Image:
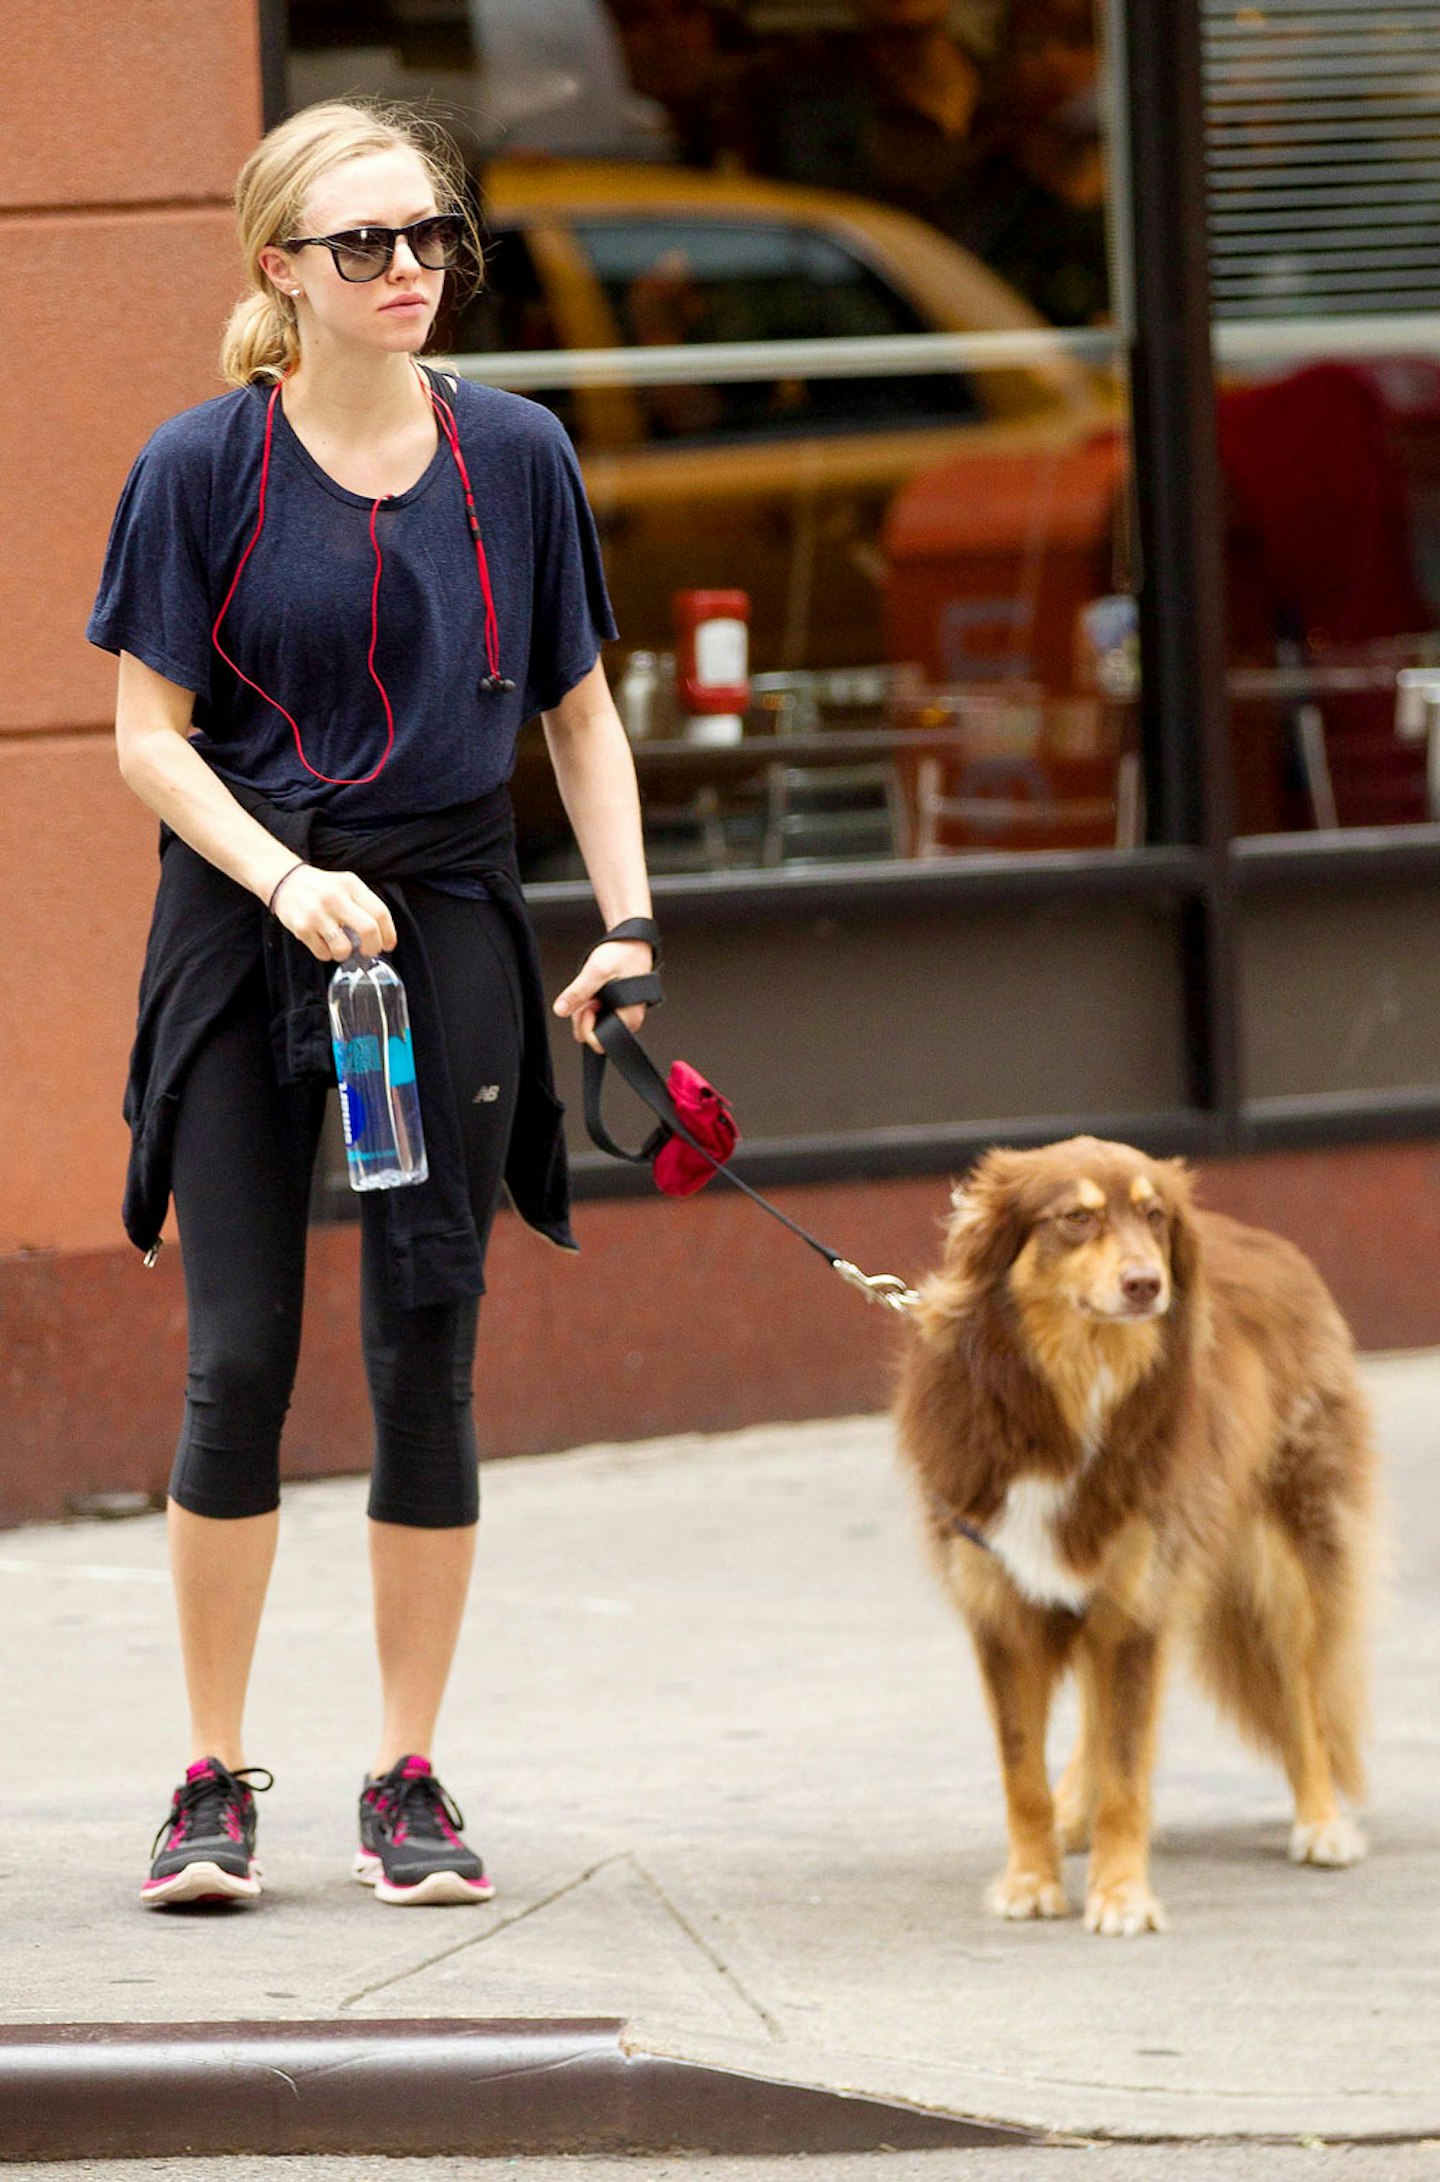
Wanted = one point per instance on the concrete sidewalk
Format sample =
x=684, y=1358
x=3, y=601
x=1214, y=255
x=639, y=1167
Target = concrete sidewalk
x=724, y=1749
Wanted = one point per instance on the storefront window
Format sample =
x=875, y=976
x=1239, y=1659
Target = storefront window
x=1324, y=153
x=822, y=296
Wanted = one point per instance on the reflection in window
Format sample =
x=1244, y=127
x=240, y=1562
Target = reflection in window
x=511, y=313
x=988, y=130
x=1323, y=147
x=983, y=119
x=941, y=629
x=754, y=281
x=674, y=282
x=1329, y=471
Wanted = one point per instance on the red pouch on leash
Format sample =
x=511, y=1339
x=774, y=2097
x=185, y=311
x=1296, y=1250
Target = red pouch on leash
x=680, y=1170
x=686, y=1107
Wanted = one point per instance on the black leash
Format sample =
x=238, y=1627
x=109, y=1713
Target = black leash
x=955, y=1526
x=638, y=1070
x=645, y=1080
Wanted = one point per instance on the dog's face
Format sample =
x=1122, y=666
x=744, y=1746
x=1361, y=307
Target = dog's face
x=1083, y=1227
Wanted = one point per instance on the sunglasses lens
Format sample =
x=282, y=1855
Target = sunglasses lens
x=437, y=242
x=359, y=260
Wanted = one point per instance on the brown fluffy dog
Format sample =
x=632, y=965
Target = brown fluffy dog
x=1134, y=1422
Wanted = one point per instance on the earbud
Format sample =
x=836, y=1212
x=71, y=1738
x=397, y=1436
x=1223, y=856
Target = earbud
x=497, y=684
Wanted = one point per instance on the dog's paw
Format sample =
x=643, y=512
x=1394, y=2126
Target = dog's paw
x=1123, y=1910
x=1333, y=1842
x=1017, y=1894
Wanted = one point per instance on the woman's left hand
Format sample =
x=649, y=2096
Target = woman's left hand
x=612, y=958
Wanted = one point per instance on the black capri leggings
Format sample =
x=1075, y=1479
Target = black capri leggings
x=244, y=1153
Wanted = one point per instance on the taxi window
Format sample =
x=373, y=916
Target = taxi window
x=671, y=281
x=511, y=312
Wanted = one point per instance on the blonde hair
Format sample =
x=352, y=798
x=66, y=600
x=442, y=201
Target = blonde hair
x=262, y=340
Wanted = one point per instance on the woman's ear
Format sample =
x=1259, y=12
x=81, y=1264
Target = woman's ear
x=278, y=270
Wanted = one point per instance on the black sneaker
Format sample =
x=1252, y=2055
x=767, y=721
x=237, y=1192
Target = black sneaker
x=410, y=1848
x=209, y=1837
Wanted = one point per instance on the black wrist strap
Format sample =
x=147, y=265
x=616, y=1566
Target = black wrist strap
x=643, y=928
x=635, y=1066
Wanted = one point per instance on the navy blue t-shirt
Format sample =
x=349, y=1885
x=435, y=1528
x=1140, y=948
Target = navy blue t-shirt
x=299, y=622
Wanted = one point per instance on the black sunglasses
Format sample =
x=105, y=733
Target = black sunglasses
x=364, y=253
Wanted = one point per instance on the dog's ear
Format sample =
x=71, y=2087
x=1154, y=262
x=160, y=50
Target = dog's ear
x=964, y=1209
x=988, y=1224
x=1184, y=1237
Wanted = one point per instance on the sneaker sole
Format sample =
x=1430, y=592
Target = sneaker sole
x=434, y=1891
x=201, y=1882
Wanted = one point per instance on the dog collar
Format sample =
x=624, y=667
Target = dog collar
x=956, y=1525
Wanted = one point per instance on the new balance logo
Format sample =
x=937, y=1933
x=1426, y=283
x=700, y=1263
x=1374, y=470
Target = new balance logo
x=487, y=1094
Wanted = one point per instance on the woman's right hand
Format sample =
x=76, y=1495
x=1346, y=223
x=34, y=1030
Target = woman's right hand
x=317, y=906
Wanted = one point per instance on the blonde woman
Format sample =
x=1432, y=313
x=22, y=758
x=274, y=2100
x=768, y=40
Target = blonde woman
x=336, y=592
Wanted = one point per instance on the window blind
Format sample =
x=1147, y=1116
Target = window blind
x=1323, y=146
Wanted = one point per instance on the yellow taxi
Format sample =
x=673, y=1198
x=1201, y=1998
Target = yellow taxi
x=778, y=480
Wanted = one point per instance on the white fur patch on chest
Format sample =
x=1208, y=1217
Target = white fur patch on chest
x=1022, y=1536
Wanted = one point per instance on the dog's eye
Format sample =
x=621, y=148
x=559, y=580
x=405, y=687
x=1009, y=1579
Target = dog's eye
x=1156, y=1216
x=1079, y=1220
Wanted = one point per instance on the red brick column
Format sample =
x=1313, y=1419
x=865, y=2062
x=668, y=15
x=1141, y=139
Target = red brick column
x=125, y=125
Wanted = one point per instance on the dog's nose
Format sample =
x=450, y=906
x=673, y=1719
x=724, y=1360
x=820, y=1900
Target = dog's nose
x=1139, y=1285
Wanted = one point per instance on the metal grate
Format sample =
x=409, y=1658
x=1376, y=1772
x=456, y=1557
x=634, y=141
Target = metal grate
x=1323, y=142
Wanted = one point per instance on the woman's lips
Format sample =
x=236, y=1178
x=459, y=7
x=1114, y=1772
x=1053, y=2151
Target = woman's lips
x=406, y=303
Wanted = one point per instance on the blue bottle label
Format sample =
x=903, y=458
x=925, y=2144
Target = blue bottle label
x=401, y=1058
x=352, y=1105
x=386, y=1112
x=362, y=1055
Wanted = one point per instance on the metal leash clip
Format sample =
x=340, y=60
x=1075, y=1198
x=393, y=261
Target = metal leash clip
x=886, y=1288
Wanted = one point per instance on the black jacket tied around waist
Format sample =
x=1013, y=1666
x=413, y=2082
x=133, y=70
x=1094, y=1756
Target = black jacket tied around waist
x=209, y=935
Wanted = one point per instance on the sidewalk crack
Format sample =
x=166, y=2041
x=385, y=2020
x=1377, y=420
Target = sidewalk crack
x=492, y=1931
x=711, y=1953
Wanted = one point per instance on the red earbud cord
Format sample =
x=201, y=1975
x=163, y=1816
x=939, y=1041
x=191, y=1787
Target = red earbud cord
x=451, y=429
x=445, y=416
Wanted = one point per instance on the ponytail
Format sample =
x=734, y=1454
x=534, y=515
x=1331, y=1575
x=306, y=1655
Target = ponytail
x=260, y=339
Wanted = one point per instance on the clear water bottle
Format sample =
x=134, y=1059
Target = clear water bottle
x=375, y=1068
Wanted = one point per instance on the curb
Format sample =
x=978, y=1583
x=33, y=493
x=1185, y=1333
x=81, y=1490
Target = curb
x=148, y=2090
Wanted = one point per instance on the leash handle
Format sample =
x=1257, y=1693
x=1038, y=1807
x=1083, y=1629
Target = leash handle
x=645, y=1080
x=634, y=1064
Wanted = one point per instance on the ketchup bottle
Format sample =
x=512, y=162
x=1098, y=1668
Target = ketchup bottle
x=712, y=663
